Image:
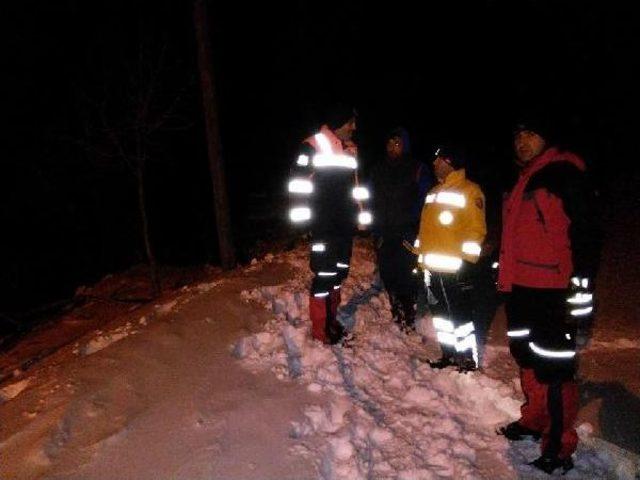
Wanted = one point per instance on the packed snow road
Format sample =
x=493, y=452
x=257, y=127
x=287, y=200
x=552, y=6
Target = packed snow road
x=210, y=384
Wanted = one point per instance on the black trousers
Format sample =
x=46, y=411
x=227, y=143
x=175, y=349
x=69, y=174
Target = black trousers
x=329, y=260
x=452, y=310
x=542, y=341
x=396, y=265
x=542, y=334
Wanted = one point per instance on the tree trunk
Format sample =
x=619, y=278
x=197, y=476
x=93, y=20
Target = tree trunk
x=210, y=107
x=151, y=259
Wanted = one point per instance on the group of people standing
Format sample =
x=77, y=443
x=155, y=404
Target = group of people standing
x=429, y=228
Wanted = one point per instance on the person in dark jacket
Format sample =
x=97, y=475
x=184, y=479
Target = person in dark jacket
x=399, y=186
x=327, y=199
x=548, y=259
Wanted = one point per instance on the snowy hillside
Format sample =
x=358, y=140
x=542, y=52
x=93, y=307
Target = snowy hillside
x=221, y=380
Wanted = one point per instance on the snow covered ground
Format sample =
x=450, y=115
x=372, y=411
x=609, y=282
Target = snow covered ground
x=390, y=414
x=222, y=380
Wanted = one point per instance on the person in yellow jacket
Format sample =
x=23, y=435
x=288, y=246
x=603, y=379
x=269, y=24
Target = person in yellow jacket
x=452, y=229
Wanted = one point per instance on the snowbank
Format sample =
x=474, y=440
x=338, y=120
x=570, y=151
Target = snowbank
x=392, y=416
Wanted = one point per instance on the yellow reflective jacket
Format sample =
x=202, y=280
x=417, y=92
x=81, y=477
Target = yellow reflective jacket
x=452, y=225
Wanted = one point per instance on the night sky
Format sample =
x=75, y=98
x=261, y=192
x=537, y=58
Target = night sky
x=448, y=71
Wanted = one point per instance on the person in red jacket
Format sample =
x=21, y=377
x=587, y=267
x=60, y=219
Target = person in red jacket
x=547, y=266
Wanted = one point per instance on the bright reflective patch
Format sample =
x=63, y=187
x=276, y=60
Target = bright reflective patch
x=453, y=199
x=518, y=333
x=327, y=274
x=442, y=324
x=442, y=262
x=323, y=143
x=303, y=160
x=551, y=353
x=318, y=247
x=467, y=343
x=321, y=294
x=580, y=282
x=580, y=298
x=416, y=243
x=365, y=218
x=581, y=312
x=342, y=265
x=495, y=265
x=300, y=214
x=360, y=193
x=471, y=248
x=464, y=330
x=324, y=160
x=447, y=338
x=300, y=185
x=430, y=198
x=446, y=217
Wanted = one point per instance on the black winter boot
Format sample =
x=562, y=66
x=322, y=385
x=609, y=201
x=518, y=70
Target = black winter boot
x=514, y=431
x=466, y=364
x=444, y=362
x=548, y=464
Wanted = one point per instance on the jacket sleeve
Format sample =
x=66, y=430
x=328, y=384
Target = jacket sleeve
x=422, y=232
x=475, y=228
x=571, y=185
x=377, y=200
x=300, y=187
x=361, y=194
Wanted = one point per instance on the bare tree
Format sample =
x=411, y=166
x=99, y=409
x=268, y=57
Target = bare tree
x=123, y=124
x=210, y=108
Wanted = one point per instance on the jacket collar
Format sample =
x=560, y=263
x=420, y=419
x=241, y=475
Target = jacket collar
x=454, y=178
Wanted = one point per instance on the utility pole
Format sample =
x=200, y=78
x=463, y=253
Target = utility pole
x=210, y=109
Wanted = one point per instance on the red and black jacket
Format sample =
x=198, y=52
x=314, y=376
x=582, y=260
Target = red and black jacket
x=548, y=225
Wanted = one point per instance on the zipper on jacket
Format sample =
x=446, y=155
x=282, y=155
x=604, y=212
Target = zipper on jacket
x=539, y=213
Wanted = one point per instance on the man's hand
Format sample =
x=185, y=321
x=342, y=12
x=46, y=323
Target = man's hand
x=580, y=308
x=580, y=300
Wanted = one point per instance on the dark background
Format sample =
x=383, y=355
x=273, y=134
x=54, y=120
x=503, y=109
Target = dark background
x=448, y=71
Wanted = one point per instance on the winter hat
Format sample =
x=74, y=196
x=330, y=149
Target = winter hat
x=539, y=123
x=456, y=156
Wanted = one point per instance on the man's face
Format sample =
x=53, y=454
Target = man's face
x=442, y=168
x=528, y=145
x=394, y=147
x=345, y=132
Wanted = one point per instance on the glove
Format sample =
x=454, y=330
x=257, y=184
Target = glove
x=580, y=300
x=580, y=308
